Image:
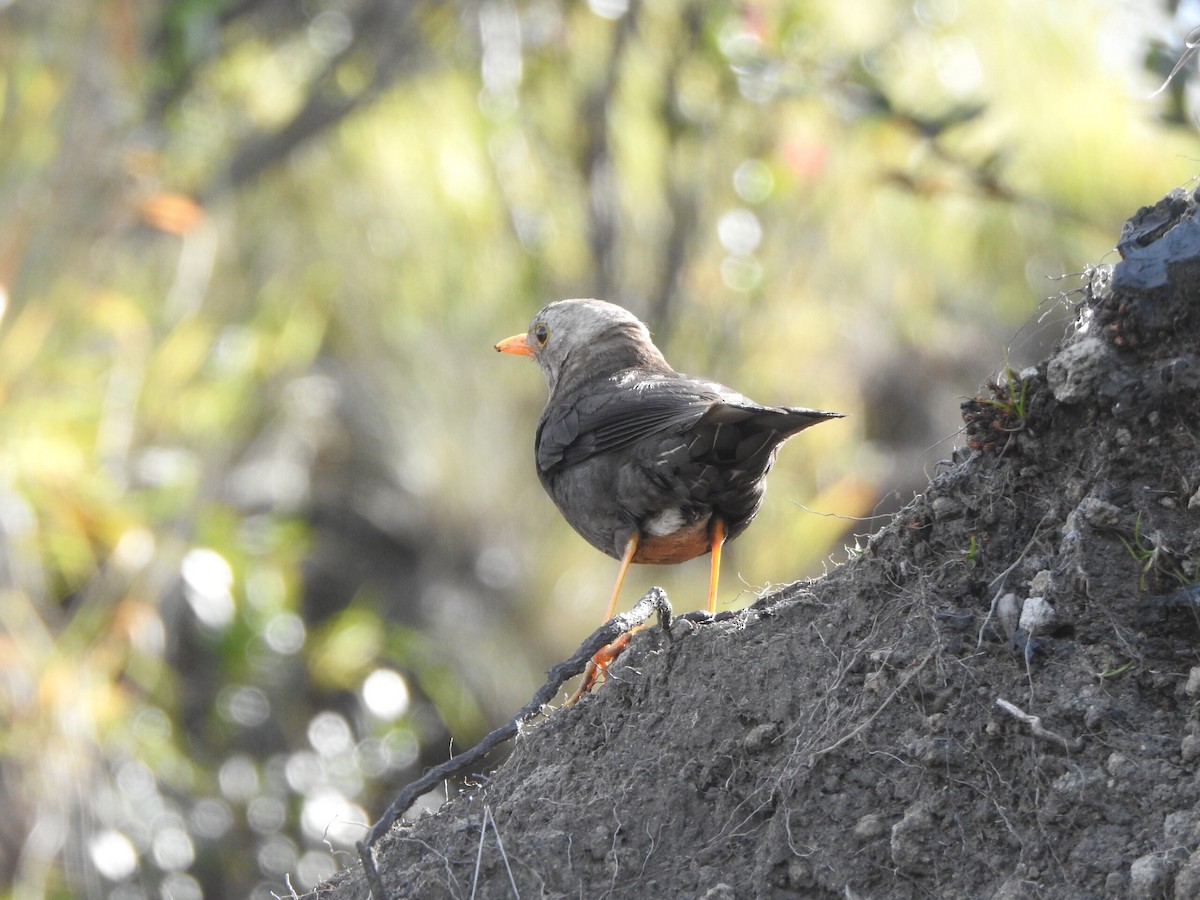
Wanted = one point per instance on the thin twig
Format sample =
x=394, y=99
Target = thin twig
x=655, y=601
x=512, y=881
x=487, y=813
x=1037, y=728
x=1190, y=44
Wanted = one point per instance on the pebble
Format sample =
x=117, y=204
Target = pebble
x=1150, y=877
x=1187, y=881
x=761, y=737
x=1189, y=747
x=870, y=826
x=1037, y=615
x=1039, y=584
x=1192, y=688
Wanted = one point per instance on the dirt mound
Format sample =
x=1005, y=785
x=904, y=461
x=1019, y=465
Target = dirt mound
x=996, y=697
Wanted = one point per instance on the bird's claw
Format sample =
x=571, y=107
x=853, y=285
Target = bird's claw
x=598, y=666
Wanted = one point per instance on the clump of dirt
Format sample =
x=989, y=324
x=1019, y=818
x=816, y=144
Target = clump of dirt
x=997, y=697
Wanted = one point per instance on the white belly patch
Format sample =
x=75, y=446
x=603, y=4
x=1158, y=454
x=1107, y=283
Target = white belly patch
x=664, y=523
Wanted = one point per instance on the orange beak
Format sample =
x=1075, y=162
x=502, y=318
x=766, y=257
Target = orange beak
x=516, y=345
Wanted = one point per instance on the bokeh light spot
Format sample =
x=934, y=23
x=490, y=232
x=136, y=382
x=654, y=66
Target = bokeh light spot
x=172, y=849
x=245, y=706
x=303, y=771
x=285, y=633
x=277, y=855
x=385, y=694
x=741, y=273
x=208, y=583
x=328, y=816
x=329, y=733
x=330, y=32
x=113, y=855
x=266, y=815
x=178, y=886
x=753, y=180
x=497, y=567
x=238, y=778
x=210, y=819
x=134, y=550
x=739, y=231
x=313, y=868
x=609, y=9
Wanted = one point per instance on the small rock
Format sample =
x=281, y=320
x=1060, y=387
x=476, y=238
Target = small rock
x=1008, y=612
x=1179, y=828
x=1189, y=748
x=1039, y=584
x=1013, y=889
x=869, y=826
x=942, y=753
x=761, y=737
x=1037, y=615
x=1120, y=766
x=1116, y=884
x=1077, y=782
x=1187, y=881
x=1074, y=371
x=915, y=841
x=947, y=508
x=1150, y=877
x=1192, y=688
x=799, y=875
x=1094, y=716
x=1094, y=512
x=720, y=891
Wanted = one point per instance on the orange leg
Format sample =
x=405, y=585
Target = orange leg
x=716, y=538
x=599, y=664
x=630, y=549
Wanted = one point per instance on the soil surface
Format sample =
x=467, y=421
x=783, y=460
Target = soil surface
x=996, y=697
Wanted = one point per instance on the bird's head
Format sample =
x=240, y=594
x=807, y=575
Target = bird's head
x=585, y=339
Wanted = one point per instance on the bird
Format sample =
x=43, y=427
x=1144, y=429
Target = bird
x=649, y=465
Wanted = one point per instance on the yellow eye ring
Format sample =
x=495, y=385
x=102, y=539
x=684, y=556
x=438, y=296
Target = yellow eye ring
x=541, y=334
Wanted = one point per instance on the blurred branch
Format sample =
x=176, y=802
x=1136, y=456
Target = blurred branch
x=181, y=56
x=682, y=187
x=385, y=37
x=980, y=177
x=983, y=176
x=598, y=165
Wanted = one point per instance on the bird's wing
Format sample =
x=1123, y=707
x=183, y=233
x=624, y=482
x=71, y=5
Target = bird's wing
x=619, y=414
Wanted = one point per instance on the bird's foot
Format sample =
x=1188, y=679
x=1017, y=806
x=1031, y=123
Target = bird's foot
x=597, y=668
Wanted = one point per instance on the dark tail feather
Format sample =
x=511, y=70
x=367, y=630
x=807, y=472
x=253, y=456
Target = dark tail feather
x=790, y=420
x=766, y=430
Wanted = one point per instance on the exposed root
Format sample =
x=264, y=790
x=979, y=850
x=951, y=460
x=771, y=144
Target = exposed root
x=862, y=726
x=1037, y=728
x=654, y=601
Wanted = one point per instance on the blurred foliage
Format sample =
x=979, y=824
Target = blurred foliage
x=269, y=529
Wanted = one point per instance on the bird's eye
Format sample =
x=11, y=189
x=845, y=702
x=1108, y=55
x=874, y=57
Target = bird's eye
x=541, y=334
